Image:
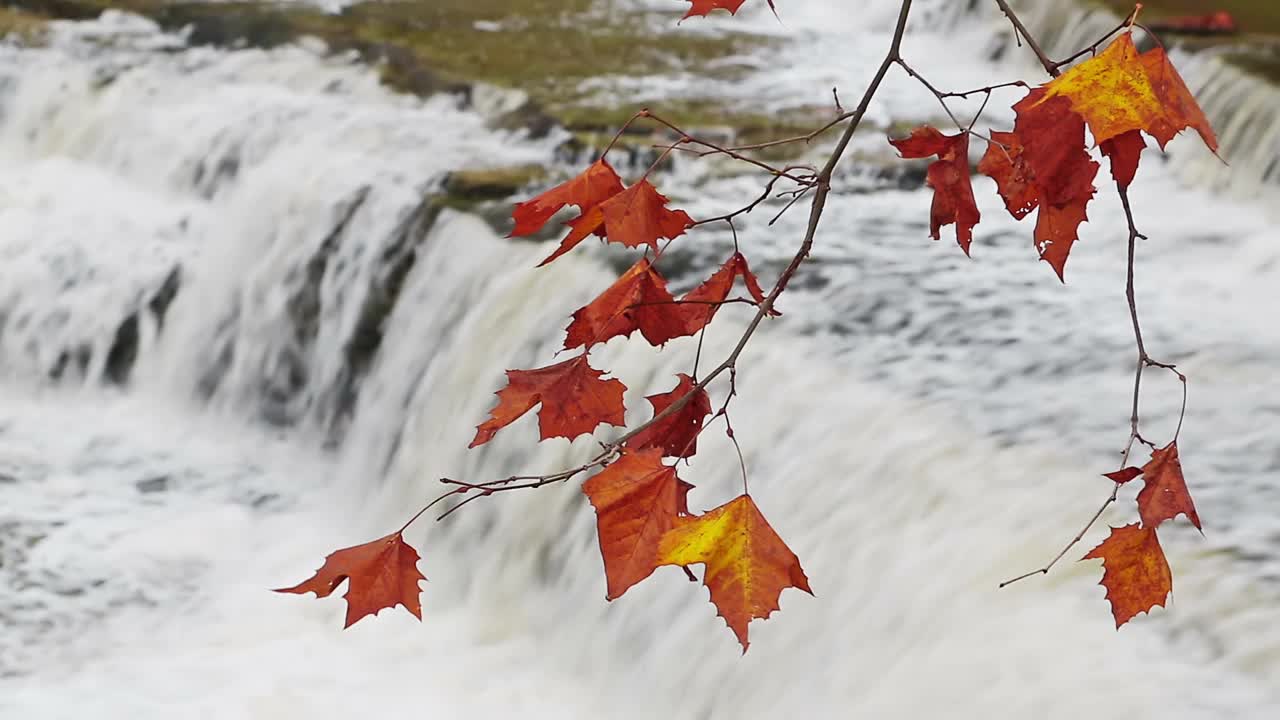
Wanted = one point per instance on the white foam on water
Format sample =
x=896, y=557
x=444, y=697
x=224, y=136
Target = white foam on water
x=918, y=427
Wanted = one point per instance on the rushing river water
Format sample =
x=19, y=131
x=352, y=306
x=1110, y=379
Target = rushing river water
x=918, y=425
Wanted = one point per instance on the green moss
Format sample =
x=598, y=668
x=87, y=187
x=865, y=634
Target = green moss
x=707, y=118
x=492, y=183
x=26, y=26
x=547, y=48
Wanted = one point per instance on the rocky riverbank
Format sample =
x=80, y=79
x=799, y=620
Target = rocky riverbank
x=548, y=49
x=572, y=64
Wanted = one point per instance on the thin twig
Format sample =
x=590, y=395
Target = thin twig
x=643, y=112
x=686, y=137
x=1137, y=390
x=942, y=100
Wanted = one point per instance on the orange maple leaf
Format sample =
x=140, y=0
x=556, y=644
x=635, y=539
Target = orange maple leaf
x=574, y=400
x=636, y=301
x=1118, y=91
x=700, y=304
x=634, y=217
x=637, y=500
x=590, y=188
x=1164, y=495
x=747, y=566
x=1135, y=571
x=380, y=574
x=953, y=200
x=677, y=434
x=1043, y=164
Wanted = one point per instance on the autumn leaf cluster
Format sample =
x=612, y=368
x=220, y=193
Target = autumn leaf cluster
x=1044, y=164
x=1135, y=571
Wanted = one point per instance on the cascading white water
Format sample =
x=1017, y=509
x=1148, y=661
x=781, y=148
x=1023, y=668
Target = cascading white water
x=867, y=414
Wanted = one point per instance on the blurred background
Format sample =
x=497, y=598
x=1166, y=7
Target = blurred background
x=255, y=296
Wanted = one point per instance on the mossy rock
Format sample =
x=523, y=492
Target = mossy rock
x=491, y=184
x=545, y=48
x=1261, y=63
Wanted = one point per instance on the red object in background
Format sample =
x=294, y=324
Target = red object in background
x=1218, y=23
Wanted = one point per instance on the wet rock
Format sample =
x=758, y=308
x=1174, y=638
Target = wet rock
x=491, y=184
x=124, y=348
x=360, y=350
x=159, y=483
x=530, y=117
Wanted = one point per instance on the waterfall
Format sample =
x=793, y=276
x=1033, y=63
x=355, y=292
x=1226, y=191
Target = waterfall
x=271, y=222
x=280, y=181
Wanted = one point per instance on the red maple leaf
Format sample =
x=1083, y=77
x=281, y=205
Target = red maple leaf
x=380, y=574
x=699, y=305
x=636, y=301
x=634, y=217
x=704, y=7
x=637, y=500
x=1164, y=495
x=1043, y=164
x=1123, y=476
x=574, y=400
x=1003, y=162
x=949, y=177
x=590, y=188
x=676, y=434
x=1124, y=150
x=1057, y=228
